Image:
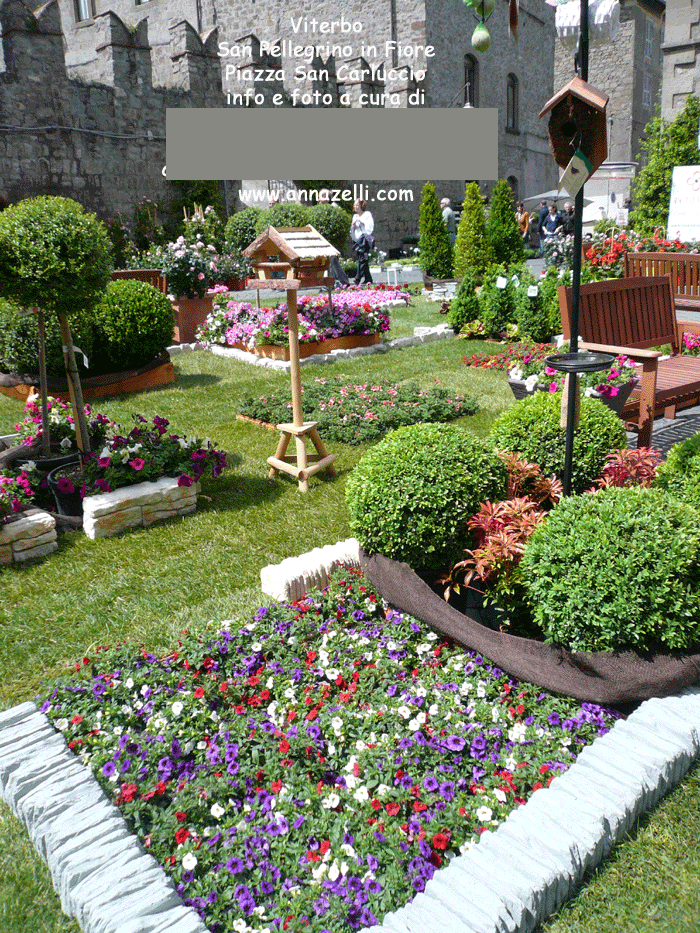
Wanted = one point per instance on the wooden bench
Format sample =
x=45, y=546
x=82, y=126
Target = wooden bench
x=631, y=316
x=683, y=269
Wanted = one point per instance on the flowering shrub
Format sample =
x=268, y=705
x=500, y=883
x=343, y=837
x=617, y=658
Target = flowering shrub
x=354, y=311
x=691, y=344
x=314, y=767
x=559, y=251
x=61, y=425
x=16, y=492
x=607, y=252
x=147, y=452
x=518, y=355
x=189, y=267
x=360, y=413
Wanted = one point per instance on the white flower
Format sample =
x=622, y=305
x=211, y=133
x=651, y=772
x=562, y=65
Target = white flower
x=61, y=724
x=331, y=801
x=382, y=790
x=361, y=794
x=413, y=725
x=129, y=683
x=217, y=811
x=516, y=373
x=177, y=708
x=500, y=795
x=189, y=862
x=484, y=814
x=404, y=712
x=66, y=443
x=334, y=872
x=517, y=732
x=337, y=724
x=530, y=383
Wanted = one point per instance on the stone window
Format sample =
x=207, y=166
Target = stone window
x=84, y=9
x=471, y=79
x=648, y=39
x=646, y=92
x=512, y=103
x=513, y=183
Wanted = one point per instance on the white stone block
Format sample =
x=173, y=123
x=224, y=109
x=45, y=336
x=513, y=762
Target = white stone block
x=111, y=523
x=30, y=525
x=25, y=544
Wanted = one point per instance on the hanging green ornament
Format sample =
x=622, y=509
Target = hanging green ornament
x=485, y=8
x=481, y=39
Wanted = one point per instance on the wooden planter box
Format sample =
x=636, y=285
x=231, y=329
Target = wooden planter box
x=158, y=373
x=189, y=314
x=310, y=348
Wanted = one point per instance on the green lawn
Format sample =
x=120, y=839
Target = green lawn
x=150, y=584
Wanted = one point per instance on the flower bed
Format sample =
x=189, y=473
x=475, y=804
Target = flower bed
x=354, y=311
x=314, y=768
x=360, y=413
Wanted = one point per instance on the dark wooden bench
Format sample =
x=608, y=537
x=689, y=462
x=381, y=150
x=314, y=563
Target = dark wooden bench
x=151, y=276
x=631, y=316
x=683, y=269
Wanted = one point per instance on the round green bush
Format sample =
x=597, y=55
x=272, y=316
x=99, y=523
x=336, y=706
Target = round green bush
x=531, y=427
x=616, y=568
x=411, y=495
x=332, y=222
x=240, y=229
x=133, y=324
x=288, y=214
x=680, y=474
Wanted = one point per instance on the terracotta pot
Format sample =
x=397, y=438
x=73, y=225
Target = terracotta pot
x=189, y=314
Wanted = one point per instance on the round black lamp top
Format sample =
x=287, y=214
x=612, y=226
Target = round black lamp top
x=580, y=362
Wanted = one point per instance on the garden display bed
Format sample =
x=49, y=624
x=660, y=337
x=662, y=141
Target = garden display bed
x=614, y=678
x=312, y=347
x=157, y=373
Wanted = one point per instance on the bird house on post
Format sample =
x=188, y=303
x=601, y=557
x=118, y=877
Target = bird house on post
x=577, y=128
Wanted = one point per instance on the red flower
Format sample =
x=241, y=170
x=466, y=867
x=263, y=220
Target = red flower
x=393, y=808
x=199, y=693
x=376, y=805
x=180, y=817
x=182, y=835
x=284, y=747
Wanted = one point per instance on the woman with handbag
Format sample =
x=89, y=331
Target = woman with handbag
x=362, y=233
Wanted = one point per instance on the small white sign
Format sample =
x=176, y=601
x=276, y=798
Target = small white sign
x=515, y=280
x=533, y=291
x=501, y=282
x=684, y=208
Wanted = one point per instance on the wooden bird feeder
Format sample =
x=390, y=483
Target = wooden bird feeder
x=577, y=121
x=291, y=258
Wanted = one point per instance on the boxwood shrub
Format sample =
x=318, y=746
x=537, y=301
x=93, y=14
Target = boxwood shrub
x=680, y=474
x=620, y=567
x=497, y=305
x=132, y=325
x=411, y=495
x=531, y=427
x=464, y=307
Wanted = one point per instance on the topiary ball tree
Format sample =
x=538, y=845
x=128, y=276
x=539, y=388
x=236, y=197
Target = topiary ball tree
x=531, y=427
x=288, y=214
x=56, y=256
x=411, y=495
x=615, y=569
x=436, y=254
x=502, y=227
x=472, y=247
x=133, y=324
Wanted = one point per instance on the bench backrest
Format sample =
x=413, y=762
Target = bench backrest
x=684, y=269
x=638, y=313
x=151, y=276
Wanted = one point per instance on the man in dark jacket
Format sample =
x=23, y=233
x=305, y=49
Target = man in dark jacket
x=568, y=220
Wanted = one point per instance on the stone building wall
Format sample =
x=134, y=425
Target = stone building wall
x=620, y=69
x=681, y=55
x=99, y=88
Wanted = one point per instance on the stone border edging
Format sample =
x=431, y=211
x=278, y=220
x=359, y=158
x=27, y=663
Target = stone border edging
x=296, y=575
x=100, y=871
x=420, y=335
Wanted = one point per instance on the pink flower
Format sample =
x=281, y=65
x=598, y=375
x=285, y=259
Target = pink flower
x=184, y=480
x=104, y=462
x=103, y=485
x=64, y=485
x=137, y=463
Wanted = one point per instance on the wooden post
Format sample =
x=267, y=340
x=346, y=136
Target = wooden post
x=43, y=386
x=74, y=388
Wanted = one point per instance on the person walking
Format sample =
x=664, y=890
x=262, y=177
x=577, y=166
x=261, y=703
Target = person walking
x=362, y=234
x=568, y=220
x=552, y=224
x=448, y=218
x=523, y=218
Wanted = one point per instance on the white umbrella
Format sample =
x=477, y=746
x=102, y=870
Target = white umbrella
x=552, y=195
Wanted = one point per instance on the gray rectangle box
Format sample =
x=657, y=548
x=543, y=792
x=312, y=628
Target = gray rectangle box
x=274, y=142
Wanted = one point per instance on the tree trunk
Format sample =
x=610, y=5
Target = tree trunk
x=43, y=389
x=74, y=387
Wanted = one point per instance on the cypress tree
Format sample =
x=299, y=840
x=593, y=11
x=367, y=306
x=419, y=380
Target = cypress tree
x=502, y=227
x=472, y=247
x=436, y=254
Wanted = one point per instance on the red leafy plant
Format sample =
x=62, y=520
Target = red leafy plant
x=500, y=531
x=629, y=467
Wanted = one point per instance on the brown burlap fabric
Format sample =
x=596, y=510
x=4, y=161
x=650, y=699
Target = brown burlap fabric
x=614, y=678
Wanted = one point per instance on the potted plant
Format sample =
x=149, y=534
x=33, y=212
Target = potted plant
x=190, y=268
x=55, y=256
